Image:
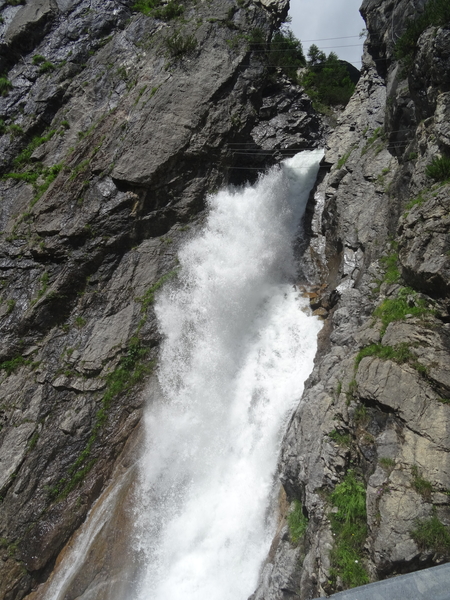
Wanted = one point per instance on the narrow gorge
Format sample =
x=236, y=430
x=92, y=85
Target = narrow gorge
x=157, y=294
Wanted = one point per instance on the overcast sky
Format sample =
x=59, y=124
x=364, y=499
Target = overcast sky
x=313, y=21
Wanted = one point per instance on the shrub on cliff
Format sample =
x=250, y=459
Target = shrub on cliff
x=350, y=530
x=286, y=53
x=327, y=80
x=154, y=8
x=439, y=168
x=5, y=86
x=436, y=13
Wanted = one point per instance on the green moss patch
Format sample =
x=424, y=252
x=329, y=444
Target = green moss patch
x=349, y=527
x=431, y=534
x=297, y=522
x=399, y=354
x=396, y=309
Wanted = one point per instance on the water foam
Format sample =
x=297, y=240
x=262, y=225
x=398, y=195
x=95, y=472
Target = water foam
x=238, y=346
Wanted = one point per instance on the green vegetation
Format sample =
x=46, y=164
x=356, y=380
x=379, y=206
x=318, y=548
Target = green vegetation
x=28, y=176
x=38, y=59
x=342, y=439
x=130, y=370
x=9, y=366
x=149, y=297
x=141, y=91
x=11, y=303
x=390, y=264
x=286, y=53
x=80, y=322
x=396, y=309
x=179, y=44
x=377, y=135
x=5, y=86
x=351, y=392
x=15, y=130
x=48, y=175
x=327, y=81
x=46, y=67
x=33, y=441
x=436, y=13
x=158, y=10
x=82, y=166
x=44, y=175
x=344, y=158
x=297, y=522
x=154, y=90
x=439, y=169
x=44, y=282
x=432, y=534
x=349, y=527
x=387, y=463
x=37, y=141
x=361, y=416
x=400, y=354
x=256, y=37
x=415, y=202
x=83, y=134
x=421, y=485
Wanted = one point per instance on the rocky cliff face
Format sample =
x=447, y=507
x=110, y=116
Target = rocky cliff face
x=377, y=405
x=114, y=127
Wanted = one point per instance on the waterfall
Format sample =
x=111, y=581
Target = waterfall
x=238, y=346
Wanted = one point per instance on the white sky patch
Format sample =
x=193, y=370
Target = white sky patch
x=314, y=21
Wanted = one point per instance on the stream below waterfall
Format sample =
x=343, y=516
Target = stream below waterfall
x=238, y=344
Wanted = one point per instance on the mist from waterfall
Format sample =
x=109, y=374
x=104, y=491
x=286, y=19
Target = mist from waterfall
x=238, y=346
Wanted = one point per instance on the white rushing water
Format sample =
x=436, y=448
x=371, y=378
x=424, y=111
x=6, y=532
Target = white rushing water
x=238, y=346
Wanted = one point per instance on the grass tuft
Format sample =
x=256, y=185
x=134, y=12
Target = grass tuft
x=387, y=463
x=297, y=522
x=149, y=297
x=431, y=534
x=396, y=309
x=5, y=86
x=399, y=354
x=342, y=439
x=421, y=485
x=9, y=366
x=439, y=169
x=350, y=529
